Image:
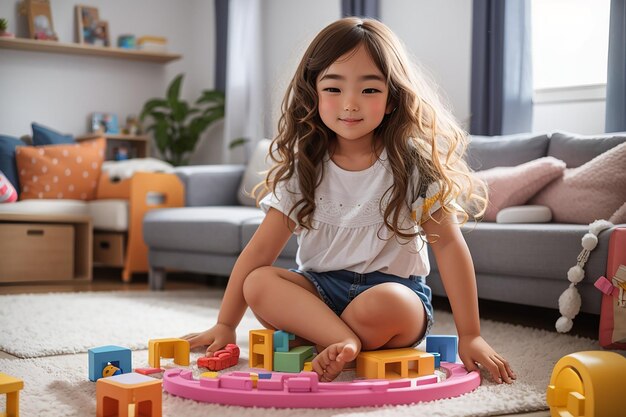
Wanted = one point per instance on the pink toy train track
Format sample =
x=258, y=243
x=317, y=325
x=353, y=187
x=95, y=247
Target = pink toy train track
x=285, y=390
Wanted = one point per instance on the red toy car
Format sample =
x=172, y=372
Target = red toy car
x=222, y=359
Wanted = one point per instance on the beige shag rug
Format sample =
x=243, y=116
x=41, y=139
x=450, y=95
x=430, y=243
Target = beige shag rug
x=52, y=332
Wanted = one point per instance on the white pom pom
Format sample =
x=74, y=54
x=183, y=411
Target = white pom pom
x=575, y=274
x=589, y=241
x=564, y=325
x=569, y=302
x=598, y=226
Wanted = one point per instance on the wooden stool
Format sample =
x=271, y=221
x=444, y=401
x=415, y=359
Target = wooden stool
x=11, y=387
x=120, y=395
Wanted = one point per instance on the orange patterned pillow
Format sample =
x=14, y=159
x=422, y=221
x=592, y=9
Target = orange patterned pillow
x=60, y=171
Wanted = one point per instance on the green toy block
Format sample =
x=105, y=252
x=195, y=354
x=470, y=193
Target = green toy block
x=293, y=361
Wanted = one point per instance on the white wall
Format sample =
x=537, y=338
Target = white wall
x=289, y=27
x=62, y=90
x=438, y=34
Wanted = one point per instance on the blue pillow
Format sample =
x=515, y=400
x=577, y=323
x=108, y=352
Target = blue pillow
x=7, y=159
x=43, y=135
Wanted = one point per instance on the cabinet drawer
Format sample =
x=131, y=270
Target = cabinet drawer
x=34, y=251
x=108, y=249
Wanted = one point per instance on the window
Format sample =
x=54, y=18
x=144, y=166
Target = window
x=570, y=42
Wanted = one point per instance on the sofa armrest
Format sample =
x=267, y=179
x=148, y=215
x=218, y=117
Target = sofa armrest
x=211, y=185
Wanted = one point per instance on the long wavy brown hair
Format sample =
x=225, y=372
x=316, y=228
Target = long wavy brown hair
x=420, y=133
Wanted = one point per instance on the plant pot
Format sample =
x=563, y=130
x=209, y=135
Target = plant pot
x=6, y=35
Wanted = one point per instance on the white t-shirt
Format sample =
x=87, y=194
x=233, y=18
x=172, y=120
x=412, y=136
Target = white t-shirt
x=348, y=229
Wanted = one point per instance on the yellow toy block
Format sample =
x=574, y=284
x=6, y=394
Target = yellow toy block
x=255, y=379
x=168, y=348
x=11, y=387
x=394, y=364
x=262, y=349
x=308, y=367
x=128, y=395
x=588, y=384
x=209, y=374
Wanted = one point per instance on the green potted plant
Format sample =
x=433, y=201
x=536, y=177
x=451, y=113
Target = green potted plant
x=4, y=25
x=176, y=125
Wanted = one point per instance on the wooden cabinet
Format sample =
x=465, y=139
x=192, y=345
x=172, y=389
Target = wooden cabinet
x=38, y=247
x=136, y=145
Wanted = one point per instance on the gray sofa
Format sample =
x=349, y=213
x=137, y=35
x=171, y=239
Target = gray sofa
x=517, y=263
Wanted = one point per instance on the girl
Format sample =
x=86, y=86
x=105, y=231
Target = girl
x=367, y=169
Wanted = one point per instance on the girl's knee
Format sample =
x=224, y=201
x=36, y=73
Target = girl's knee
x=392, y=305
x=255, y=283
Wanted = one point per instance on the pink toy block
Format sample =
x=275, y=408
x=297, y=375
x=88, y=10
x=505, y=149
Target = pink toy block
x=275, y=392
x=236, y=382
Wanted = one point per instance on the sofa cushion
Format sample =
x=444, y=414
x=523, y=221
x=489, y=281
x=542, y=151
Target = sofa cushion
x=110, y=214
x=8, y=144
x=43, y=135
x=198, y=229
x=593, y=191
x=576, y=150
x=249, y=227
x=486, y=152
x=7, y=191
x=514, y=186
x=255, y=173
x=60, y=171
x=531, y=250
x=69, y=207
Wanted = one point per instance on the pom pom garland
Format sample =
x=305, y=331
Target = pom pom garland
x=570, y=301
x=589, y=241
x=575, y=274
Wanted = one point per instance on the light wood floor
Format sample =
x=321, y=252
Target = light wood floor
x=109, y=280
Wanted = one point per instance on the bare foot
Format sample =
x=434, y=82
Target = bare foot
x=330, y=362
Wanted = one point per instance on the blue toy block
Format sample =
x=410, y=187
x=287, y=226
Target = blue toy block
x=265, y=375
x=100, y=357
x=445, y=345
x=437, y=357
x=281, y=340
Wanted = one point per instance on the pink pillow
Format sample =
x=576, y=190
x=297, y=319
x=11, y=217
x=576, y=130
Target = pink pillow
x=7, y=192
x=593, y=191
x=514, y=186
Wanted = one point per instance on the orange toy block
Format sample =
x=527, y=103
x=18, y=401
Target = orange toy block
x=129, y=395
x=168, y=348
x=262, y=349
x=394, y=364
x=11, y=387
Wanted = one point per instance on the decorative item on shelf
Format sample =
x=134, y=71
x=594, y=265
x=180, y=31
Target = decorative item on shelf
x=132, y=126
x=121, y=153
x=152, y=43
x=177, y=126
x=104, y=123
x=89, y=28
x=126, y=41
x=4, y=25
x=39, y=19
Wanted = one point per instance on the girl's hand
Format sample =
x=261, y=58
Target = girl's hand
x=216, y=338
x=473, y=350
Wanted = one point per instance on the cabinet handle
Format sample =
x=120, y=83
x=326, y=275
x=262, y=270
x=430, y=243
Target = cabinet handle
x=34, y=232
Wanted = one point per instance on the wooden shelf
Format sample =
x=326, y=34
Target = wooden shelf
x=137, y=145
x=23, y=44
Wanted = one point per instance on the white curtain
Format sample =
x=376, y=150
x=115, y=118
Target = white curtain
x=244, y=80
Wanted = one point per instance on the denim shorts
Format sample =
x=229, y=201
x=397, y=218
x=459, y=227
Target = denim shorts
x=339, y=288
